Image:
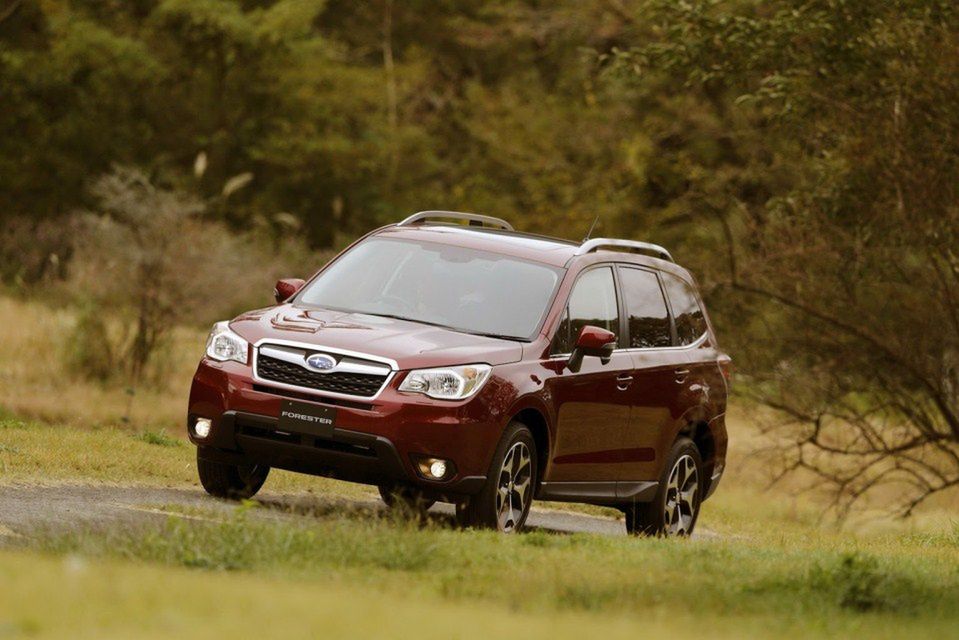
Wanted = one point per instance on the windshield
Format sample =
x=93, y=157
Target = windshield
x=463, y=289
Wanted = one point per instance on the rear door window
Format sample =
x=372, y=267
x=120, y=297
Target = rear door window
x=645, y=309
x=592, y=302
x=690, y=320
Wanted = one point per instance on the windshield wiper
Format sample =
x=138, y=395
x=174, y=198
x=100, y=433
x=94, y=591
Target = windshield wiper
x=396, y=317
x=499, y=336
x=443, y=326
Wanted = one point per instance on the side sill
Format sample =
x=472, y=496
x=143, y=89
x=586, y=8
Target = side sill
x=610, y=493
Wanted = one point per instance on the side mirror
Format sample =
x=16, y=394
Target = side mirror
x=592, y=341
x=287, y=287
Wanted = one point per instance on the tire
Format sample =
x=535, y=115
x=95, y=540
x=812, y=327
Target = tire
x=234, y=482
x=674, y=510
x=504, y=501
x=405, y=497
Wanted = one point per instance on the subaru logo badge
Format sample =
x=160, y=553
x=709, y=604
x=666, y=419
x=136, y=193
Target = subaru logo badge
x=320, y=362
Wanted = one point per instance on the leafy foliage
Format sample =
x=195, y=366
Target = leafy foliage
x=342, y=122
x=848, y=269
x=799, y=156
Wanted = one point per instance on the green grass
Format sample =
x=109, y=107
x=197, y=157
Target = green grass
x=71, y=597
x=782, y=585
x=773, y=571
x=159, y=438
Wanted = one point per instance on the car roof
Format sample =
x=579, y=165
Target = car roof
x=556, y=252
x=527, y=246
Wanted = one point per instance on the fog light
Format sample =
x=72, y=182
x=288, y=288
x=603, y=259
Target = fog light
x=434, y=468
x=438, y=469
x=202, y=427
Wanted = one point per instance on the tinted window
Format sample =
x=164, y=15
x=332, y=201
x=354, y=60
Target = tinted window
x=645, y=309
x=592, y=302
x=464, y=289
x=690, y=322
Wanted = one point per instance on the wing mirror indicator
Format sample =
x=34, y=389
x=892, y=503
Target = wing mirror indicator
x=592, y=341
x=286, y=287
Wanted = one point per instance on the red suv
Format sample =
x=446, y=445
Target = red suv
x=473, y=364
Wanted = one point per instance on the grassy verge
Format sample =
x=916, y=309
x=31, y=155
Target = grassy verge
x=787, y=584
x=772, y=572
x=70, y=597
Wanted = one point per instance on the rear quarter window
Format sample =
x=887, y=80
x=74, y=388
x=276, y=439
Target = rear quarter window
x=689, y=317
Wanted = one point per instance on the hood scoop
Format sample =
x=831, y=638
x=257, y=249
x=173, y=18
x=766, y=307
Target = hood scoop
x=304, y=322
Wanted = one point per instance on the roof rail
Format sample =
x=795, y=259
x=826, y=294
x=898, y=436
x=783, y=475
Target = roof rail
x=474, y=219
x=635, y=245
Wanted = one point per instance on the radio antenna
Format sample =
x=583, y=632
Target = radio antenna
x=591, y=227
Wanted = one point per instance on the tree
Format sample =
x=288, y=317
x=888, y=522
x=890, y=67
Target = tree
x=847, y=274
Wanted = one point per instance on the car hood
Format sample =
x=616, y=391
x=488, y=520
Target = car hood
x=410, y=344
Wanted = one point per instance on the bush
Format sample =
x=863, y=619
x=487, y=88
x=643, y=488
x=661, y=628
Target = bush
x=859, y=583
x=150, y=259
x=89, y=349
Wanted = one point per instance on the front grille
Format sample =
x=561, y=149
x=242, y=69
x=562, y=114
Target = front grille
x=354, y=384
x=310, y=397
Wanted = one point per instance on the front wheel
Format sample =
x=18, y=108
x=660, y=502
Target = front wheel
x=675, y=508
x=236, y=482
x=505, y=499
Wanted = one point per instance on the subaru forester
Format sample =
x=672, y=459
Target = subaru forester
x=450, y=358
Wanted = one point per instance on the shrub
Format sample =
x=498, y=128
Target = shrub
x=149, y=260
x=89, y=349
x=859, y=583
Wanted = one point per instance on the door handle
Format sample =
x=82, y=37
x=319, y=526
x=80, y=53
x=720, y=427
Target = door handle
x=623, y=382
x=681, y=375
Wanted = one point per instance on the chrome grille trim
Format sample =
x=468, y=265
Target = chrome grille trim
x=349, y=362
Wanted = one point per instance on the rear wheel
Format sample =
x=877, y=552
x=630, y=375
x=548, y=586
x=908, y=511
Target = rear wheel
x=404, y=496
x=675, y=509
x=505, y=499
x=236, y=482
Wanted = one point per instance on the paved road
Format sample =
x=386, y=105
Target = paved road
x=27, y=507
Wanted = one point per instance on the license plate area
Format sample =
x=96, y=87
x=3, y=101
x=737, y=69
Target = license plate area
x=303, y=417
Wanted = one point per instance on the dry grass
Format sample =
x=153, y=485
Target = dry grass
x=35, y=381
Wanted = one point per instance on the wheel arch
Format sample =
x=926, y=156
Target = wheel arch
x=535, y=420
x=702, y=436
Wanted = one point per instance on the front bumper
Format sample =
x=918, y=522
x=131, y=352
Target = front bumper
x=372, y=442
x=349, y=455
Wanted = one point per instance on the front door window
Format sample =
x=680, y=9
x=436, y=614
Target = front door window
x=592, y=302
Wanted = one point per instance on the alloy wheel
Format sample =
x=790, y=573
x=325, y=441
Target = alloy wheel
x=513, y=491
x=682, y=497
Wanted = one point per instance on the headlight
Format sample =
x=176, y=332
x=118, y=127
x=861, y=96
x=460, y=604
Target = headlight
x=224, y=345
x=448, y=383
